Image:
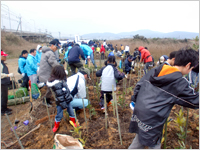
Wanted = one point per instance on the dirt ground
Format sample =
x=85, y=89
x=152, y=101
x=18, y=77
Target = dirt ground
x=97, y=137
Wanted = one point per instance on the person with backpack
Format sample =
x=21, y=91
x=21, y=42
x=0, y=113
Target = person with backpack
x=31, y=66
x=5, y=81
x=73, y=58
x=21, y=68
x=109, y=74
x=57, y=82
x=146, y=57
x=155, y=95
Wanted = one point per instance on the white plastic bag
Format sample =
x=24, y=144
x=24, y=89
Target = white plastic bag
x=62, y=141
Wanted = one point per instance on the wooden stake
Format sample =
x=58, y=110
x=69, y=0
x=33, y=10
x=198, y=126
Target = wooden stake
x=105, y=106
x=14, y=132
x=85, y=115
x=118, y=120
x=113, y=100
x=48, y=114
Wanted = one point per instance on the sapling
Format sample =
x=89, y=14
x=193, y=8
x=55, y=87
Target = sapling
x=105, y=106
x=113, y=100
x=85, y=115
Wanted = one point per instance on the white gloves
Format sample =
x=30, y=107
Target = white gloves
x=38, y=70
x=23, y=74
x=88, y=57
x=125, y=76
x=10, y=75
x=66, y=72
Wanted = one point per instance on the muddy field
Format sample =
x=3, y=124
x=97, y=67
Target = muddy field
x=97, y=137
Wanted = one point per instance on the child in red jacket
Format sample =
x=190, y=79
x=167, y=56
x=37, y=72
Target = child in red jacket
x=102, y=51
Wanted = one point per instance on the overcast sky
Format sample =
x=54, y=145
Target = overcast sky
x=82, y=17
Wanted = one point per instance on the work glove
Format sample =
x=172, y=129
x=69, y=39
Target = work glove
x=132, y=105
x=38, y=68
x=23, y=74
x=66, y=72
x=11, y=75
x=125, y=76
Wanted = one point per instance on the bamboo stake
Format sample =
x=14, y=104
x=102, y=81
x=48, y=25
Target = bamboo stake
x=105, y=106
x=48, y=113
x=113, y=100
x=14, y=96
x=165, y=135
x=118, y=119
x=85, y=115
x=186, y=125
x=14, y=132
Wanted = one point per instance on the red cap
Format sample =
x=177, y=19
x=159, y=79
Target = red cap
x=3, y=53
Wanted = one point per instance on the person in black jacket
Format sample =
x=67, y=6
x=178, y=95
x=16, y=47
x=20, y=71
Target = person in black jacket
x=5, y=81
x=57, y=82
x=73, y=58
x=155, y=95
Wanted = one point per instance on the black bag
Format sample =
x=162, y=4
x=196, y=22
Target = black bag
x=18, y=70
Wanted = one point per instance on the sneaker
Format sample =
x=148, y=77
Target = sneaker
x=8, y=109
x=6, y=112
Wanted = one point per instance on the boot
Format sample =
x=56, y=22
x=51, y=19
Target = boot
x=73, y=120
x=56, y=125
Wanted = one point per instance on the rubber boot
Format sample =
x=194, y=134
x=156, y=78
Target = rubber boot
x=73, y=120
x=56, y=125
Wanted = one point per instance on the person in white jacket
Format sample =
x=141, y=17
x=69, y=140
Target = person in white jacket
x=126, y=50
x=76, y=84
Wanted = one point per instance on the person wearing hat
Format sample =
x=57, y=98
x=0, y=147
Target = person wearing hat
x=162, y=59
x=38, y=54
x=128, y=63
x=5, y=81
x=73, y=57
x=58, y=47
x=48, y=61
x=77, y=87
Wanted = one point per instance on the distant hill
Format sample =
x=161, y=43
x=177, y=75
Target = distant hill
x=146, y=33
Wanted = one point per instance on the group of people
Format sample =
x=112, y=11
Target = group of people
x=154, y=95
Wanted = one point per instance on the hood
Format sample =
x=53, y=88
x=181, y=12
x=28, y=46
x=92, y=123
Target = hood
x=164, y=74
x=140, y=48
x=45, y=49
x=38, y=47
x=22, y=57
x=102, y=46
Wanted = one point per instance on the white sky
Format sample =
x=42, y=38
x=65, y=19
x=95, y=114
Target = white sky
x=82, y=17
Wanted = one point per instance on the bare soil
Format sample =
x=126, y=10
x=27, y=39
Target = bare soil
x=97, y=137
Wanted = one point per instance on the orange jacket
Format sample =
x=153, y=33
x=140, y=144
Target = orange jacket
x=144, y=54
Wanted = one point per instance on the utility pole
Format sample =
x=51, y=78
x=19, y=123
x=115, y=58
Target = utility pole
x=9, y=14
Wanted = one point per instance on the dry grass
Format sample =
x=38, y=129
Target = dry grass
x=157, y=47
x=13, y=45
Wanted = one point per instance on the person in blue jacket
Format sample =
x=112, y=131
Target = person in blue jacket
x=128, y=62
x=38, y=54
x=31, y=66
x=88, y=52
x=69, y=46
x=73, y=58
x=22, y=69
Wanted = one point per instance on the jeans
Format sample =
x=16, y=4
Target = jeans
x=60, y=112
x=146, y=67
x=193, y=76
x=136, y=144
x=92, y=59
x=78, y=104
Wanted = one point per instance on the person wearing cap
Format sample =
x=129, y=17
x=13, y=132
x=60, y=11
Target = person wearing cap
x=162, y=59
x=5, y=81
x=48, y=61
x=146, y=58
x=58, y=47
x=88, y=54
x=109, y=74
x=77, y=87
x=22, y=69
x=31, y=66
x=128, y=63
x=73, y=58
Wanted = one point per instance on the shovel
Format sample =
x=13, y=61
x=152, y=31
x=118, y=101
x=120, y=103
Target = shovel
x=29, y=83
